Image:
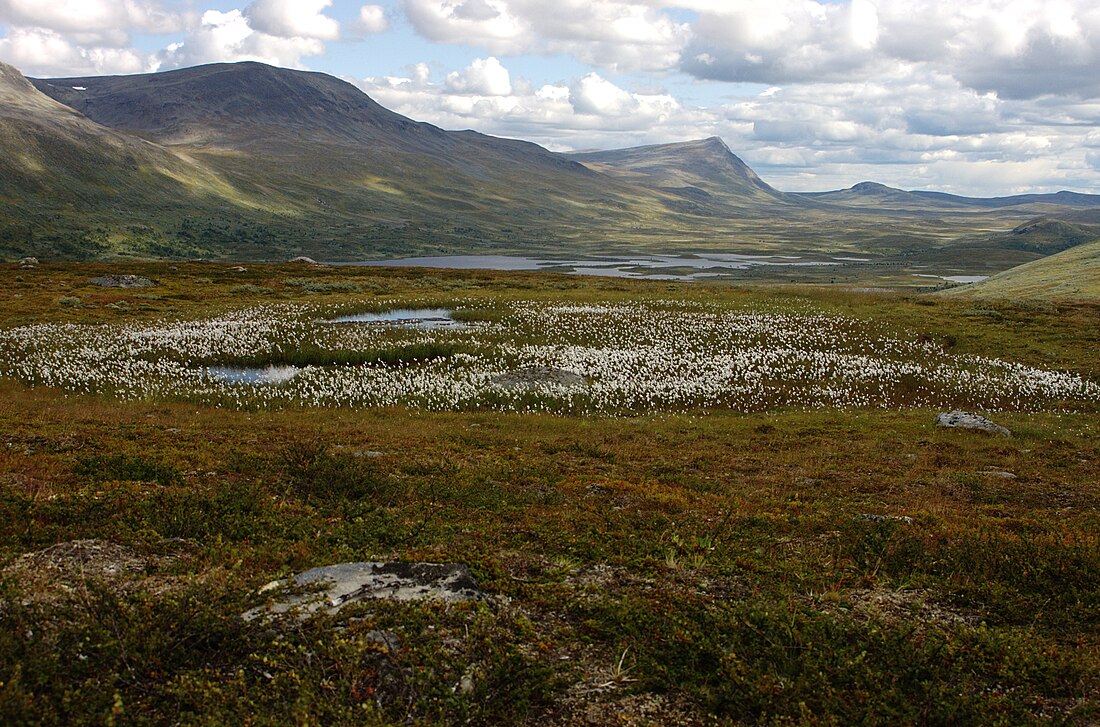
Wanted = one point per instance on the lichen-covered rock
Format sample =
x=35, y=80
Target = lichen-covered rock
x=28, y=262
x=122, y=281
x=303, y=260
x=968, y=420
x=332, y=587
x=872, y=518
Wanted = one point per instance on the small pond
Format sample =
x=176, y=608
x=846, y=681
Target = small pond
x=406, y=317
x=647, y=267
x=955, y=278
x=256, y=375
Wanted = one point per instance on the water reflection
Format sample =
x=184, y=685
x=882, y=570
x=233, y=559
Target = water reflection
x=406, y=317
x=649, y=267
x=254, y=375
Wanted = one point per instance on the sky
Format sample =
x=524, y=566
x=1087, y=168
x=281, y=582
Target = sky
x=974, y=97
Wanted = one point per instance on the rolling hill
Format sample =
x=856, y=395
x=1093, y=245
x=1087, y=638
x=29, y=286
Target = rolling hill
x=1071, y=275
x=873, y=194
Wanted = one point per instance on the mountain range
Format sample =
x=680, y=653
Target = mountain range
x=248, y=161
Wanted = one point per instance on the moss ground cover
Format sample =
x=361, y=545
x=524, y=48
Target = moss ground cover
x=785, y=565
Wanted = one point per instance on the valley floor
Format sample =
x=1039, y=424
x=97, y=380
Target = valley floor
x=810, y=565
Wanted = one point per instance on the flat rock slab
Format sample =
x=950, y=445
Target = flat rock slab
x=534, y=377
x=122, y=281
x=332, y=587
x=968, y=420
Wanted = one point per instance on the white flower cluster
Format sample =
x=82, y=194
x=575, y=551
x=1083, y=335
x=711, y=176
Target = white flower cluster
x=656, y=356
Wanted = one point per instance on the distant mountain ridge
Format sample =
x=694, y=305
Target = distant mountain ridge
x=250, y=161
x=875, y=193
x=702, y=170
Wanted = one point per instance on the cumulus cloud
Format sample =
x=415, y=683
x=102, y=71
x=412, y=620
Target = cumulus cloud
x=1016, y=49
x=587, y=112
x=293, y=19
x=613, y=34
x=597, y=96
x=484, y=77
x=40, y=52
x=371, y=20
x=229, y=37
x=90, y=17
x=781, y=41
x=91, y=24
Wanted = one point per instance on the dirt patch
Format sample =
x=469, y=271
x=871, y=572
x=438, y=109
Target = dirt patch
x=63, y=571
x=123, y=281
x=593, y=704
x=896, y=606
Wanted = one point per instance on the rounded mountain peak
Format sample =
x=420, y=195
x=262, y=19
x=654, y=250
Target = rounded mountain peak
x=235, y=97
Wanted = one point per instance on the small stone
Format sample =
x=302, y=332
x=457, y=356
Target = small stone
x=999, y=473
x=968, y=420
x=388, y=640
x=465, y=685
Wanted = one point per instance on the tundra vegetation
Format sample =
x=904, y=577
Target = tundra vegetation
x=740, y=512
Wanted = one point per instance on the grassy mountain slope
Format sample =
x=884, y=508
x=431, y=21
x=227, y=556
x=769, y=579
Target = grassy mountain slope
x=353, y=177
x=1073, y=274
x=66, y=180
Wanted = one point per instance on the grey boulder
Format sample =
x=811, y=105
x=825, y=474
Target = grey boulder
x=332, y=587
x=535, y=377
x=968, y=420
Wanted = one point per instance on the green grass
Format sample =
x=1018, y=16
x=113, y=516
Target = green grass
x=1072, y=275
x=711, y=566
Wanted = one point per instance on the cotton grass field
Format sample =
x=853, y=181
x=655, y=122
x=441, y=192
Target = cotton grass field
x=637, y=357
x=684, y=504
